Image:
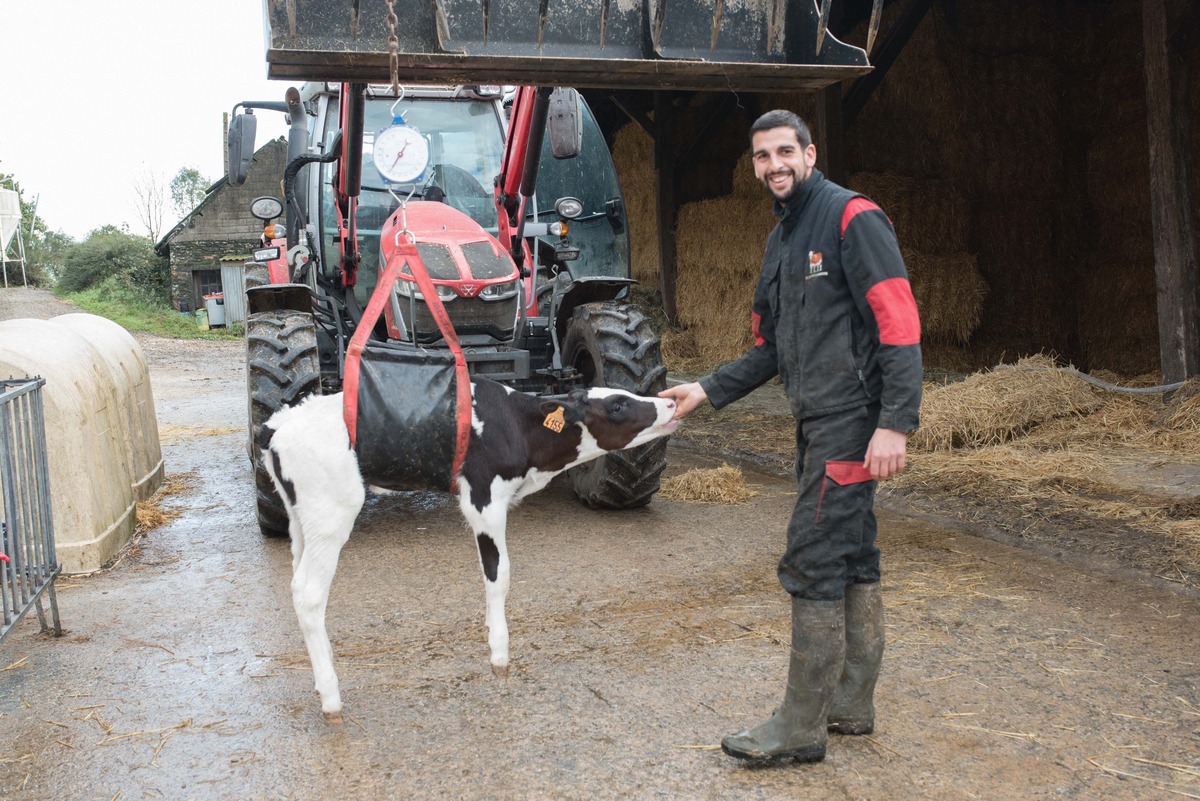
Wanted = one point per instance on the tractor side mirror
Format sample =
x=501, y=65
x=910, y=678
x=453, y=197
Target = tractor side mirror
x=564, y=123
x=240, y=147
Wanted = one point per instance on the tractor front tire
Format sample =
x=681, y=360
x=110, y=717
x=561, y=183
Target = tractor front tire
x=612, y=344
x=282, y=368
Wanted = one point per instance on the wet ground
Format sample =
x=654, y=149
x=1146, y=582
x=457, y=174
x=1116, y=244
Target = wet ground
x=638, y=640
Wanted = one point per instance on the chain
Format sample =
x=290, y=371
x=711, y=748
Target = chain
x=393, y=46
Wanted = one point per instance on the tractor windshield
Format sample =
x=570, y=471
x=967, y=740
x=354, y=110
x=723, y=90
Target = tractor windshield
x=466, y=144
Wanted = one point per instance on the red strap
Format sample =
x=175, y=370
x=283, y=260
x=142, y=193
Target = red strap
x=4, y=556
x=406, y=253
x=895, y=312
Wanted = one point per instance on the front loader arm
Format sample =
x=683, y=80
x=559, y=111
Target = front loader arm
x=348, y=185
x=518, y=171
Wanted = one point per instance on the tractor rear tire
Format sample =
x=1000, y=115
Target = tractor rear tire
x=612, y=344
x=282, y=368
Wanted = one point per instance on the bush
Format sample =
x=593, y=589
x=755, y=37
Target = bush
x=111, y=253
x=135, y=309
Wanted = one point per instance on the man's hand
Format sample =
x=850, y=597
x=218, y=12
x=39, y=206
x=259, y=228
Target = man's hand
x=885, y=453
x=686, y=396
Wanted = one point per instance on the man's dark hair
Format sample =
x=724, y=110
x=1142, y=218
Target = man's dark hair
x=781, y=118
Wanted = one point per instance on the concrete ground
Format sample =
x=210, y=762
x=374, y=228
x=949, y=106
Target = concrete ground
x=638, y=639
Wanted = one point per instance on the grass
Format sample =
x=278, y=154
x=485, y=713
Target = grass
x=134, y=312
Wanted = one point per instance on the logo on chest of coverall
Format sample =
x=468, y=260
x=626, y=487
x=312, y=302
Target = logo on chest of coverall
x=816, y=265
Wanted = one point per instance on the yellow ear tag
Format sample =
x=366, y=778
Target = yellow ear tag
x=554, y=421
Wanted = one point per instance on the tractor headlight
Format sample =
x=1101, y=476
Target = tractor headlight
x=408, y=289
x=568, y=207
x=499, y=291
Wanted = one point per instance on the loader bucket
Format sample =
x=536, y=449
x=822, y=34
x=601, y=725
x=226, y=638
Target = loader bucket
x=743, y=45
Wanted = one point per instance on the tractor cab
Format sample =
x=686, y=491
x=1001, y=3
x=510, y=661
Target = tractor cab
x=459, y=136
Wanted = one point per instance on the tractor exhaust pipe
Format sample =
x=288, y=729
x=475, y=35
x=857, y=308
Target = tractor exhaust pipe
x=297, y=144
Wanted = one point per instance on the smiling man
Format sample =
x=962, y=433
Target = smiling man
x=833, y=316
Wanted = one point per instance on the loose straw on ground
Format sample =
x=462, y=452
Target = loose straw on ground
x=723, y=484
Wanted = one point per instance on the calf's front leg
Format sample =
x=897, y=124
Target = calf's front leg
x=488, y=524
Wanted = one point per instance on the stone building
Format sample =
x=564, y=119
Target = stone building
x=217, y=236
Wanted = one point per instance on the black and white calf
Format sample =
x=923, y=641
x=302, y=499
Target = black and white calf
x=514, y=451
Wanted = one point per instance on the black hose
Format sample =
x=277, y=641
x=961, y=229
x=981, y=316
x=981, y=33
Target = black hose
x=289, y=185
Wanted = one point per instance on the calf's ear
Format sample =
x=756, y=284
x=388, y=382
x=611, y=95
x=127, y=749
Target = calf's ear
x=558, y=415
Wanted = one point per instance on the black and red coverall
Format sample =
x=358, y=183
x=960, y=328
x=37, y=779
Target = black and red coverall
x=834, y=317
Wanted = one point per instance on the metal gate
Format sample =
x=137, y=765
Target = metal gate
x=28, y=564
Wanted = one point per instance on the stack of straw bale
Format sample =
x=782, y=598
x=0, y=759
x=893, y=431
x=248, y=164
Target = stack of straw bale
x=915, y=111
x=633, y=154
x=719, y=245
x=932, y=223
x=1118, y=304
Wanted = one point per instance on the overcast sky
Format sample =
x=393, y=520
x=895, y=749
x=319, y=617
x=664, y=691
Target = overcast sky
x=95, y=94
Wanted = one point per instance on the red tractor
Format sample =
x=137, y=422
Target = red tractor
x=523, y=234
x=480, y=221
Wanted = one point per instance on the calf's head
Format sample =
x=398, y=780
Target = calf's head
x=612, y=419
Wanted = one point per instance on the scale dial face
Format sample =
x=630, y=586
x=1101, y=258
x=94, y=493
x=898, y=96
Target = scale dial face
x=401, y=154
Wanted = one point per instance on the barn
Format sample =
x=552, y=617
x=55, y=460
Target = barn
x=1035, y=159
x=207, y=248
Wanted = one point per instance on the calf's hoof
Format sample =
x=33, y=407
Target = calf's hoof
x=334, y=717
x=500, y=671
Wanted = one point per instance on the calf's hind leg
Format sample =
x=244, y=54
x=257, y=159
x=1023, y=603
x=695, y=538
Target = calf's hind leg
x=325, y=531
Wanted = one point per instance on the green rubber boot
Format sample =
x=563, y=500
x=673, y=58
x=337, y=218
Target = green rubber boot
x=853, y=710
x=797, y=730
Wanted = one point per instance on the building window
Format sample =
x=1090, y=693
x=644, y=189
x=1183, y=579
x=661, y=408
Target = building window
x=207, y=282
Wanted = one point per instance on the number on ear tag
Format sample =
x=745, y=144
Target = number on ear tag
x=554, y=421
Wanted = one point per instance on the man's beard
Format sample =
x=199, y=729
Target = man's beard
x=797, y=184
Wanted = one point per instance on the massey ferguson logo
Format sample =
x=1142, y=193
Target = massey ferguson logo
x=468, y=290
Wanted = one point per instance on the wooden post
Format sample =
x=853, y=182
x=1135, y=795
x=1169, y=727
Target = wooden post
x=1172, y=201
x=664, y=161
x=829, y=134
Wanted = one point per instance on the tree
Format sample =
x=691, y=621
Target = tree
x=150, y=202
x=188, y=188
x=111, y=253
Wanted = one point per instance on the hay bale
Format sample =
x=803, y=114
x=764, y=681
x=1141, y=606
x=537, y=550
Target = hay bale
x=723, y=484
x=681, y=351
x=997, y=29
x=1118, y=313
x=916, y=110
x=928, y=215
x=996, y=407
x=719, y=246
x=633, y=156
x=949, y=291
x=745, y=183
